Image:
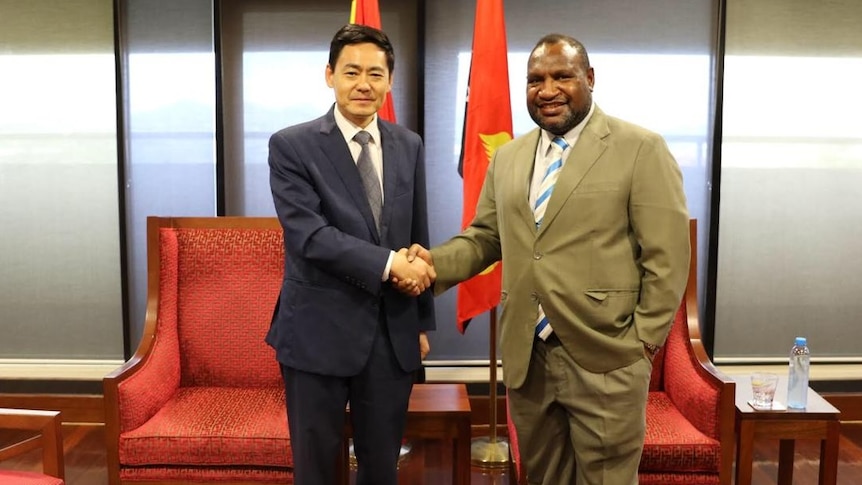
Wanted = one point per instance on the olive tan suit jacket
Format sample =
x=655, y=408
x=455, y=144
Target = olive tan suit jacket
x=610, y=261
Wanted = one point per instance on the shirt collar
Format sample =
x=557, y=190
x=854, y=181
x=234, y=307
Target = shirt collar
x=349, y=130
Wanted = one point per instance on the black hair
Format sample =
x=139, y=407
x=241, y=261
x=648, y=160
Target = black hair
x=565, y=39
x=361, y=34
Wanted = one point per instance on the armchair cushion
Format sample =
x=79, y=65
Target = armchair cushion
x=650, y=478
x=674, y=443
x=203, y=426
x=10, y=477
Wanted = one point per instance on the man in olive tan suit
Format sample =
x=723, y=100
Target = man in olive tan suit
x=600, y=265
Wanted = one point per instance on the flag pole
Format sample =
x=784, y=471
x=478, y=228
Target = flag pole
x=490, y=451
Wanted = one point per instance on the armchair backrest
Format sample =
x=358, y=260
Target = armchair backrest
x=218, y=279
x=49, y=439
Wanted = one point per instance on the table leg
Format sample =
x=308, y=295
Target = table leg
x=829, y=454
x=461, y=455
x=456, y=462
x=744, y=452
x=786, y=449
x=413, y=469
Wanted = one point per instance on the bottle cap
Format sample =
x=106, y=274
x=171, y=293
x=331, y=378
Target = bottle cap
x=801, y=341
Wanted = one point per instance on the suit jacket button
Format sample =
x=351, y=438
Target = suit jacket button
x=537, y=255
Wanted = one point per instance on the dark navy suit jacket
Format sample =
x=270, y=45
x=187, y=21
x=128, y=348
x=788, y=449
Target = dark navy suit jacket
x=331, y=297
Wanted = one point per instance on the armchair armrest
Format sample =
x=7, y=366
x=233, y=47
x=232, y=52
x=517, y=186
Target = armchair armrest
x=50, y=437
x=692, y=382
x=142, y=385
x=145, y=383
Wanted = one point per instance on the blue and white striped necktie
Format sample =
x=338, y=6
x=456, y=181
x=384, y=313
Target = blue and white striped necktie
x=558, y=147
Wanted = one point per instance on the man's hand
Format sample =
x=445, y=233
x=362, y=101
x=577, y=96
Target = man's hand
x=411, y=278
x=424, y=346
x=417, y=250
x=650, y=351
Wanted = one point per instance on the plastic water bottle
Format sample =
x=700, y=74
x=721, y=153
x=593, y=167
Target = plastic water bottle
x=797, y=379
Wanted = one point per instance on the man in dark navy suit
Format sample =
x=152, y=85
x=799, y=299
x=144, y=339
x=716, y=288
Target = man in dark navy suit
x=349, y=189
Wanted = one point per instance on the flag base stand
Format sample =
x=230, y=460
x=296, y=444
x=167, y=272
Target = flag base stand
x=491, y=451
x=486, y=453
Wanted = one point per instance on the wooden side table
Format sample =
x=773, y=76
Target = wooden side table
x=435, y=412
x=818, y=421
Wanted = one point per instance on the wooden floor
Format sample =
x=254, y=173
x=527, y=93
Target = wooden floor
x=429, y=463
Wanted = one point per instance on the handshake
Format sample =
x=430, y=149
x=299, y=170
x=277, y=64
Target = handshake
x=410, y=274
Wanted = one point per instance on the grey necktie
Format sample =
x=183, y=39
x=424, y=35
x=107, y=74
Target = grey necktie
x=370, y=179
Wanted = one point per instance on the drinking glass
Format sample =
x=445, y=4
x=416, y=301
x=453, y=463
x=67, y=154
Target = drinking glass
x=763, y=386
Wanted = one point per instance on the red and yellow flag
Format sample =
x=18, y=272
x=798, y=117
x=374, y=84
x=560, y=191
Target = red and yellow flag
x=367, y=12
x=487, y=125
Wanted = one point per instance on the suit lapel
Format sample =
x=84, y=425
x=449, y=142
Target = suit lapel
x=583, y=156
x=525, y=160
x=391, y=161
x=332, y=144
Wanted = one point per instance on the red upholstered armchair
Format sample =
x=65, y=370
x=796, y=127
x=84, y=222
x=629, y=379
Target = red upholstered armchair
x=202, y=399
x=49, y=438
x=690, y=412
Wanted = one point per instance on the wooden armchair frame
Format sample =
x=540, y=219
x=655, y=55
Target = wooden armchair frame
x=49, y=439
